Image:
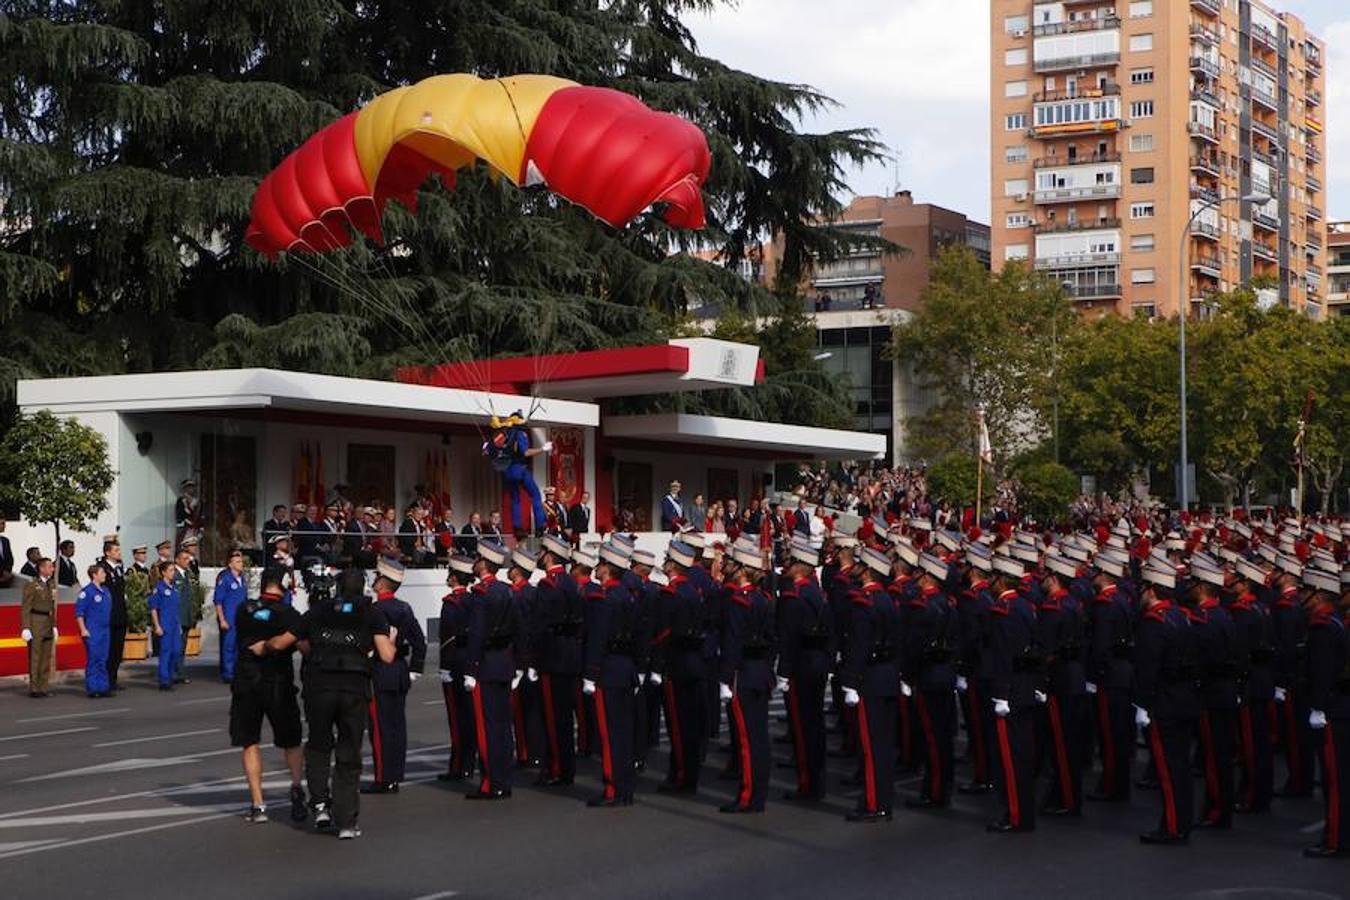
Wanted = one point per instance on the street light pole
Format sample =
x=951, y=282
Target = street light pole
x=1184, y=309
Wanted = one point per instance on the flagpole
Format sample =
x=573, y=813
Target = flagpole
x=979, y=486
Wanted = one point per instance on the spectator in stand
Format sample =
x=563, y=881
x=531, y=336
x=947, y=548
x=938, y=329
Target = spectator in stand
x=66, y=573
x=579, y=519
x=555, y=512
x=714, y=522
x=408, y=530
x=445, y=533
x=672, y=509
x=698, y=512
x=469, y=535
x=494, y=526
x=731, y=518
x=6, y=558
x=280, y=523
x=32, y=557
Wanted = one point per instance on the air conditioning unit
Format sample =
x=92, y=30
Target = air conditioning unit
x=1021, y=198
x=1019, y=34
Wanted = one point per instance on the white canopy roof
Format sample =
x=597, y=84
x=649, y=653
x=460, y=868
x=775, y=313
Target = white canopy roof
x=787, y=441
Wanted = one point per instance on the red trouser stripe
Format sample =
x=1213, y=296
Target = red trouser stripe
x=1164, y=780
x=1211, y=768
x=551, y=724
x=518, y=716
x=452, y=714
x=376, y=746
x=869, y=763
x=934, y=761
x=1297, y=777
x=1108, y=742
x=1009, y=771
x=606, y=761
x=1248, y=753
x=1333, y=791
x=484, y=751
x=676, y=737
x=977, y=735
x=583, y=730
x=1061, y=755
x=798, y=739
x=747, y=772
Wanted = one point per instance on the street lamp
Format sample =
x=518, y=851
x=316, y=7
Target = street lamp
x=1184, y=307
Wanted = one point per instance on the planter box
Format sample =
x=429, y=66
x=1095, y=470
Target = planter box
x=136, y=647
x=194, y=643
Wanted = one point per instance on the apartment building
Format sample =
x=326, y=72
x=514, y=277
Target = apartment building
x=1121, y=128
x=1338, y=269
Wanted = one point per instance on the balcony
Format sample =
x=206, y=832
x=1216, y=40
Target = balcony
x=1202, y=132
x=1263, y=98
x=1262, y=219
x=1209, y=195
x=1076, y=194
x=1314, y=123
x=1205, y=164
x=1208, y=265
x=1208, y=7
x=1078, y=261
x=1055, y=226
x=1311, y=153
x=1264, y=36
x=1065, y=63
x=1096, y=126
x=1314, y=269
x=1264, y=68
x=1204, y=34
x=1204, y=95
x=1111, y=89
x=1055, y=162
x=1314, y=242
x=1314, y=183
x=1204, y=66
x=1261, y=251
x=1314, y=213
x=1313, y=56
x=1265, y=157
x=1313, y=96
x=1093, y=291
x=1266, y=131
x=1205, y=231
x=1098, y=24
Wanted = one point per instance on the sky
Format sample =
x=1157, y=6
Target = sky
x=917, y=71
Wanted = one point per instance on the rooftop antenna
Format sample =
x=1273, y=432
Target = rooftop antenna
x=896, y=155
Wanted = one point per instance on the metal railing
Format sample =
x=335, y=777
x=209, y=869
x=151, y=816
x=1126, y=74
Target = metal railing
x=1068, y=195
x=1213, y=7
x=1207, y=263
x=1265, y=36
x=1265, y=252
x=1052, y=227
x=1110, y=89
x=1093, y=291
x=1200, y=64
x=1200, y=130
x=1205, y=164
x=1101, y=23
x=1055, y=162
x=1266, y=131
x=1205, y=230
x=1078, y=261
x=1087, y=61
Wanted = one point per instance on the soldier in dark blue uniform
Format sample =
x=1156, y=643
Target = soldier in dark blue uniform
x=1251, y=619
x=647, y=712
x=838, y=582
x=583, y=568
x=526, y=712
x=558, y=660
x=495, y=625
x=1015, y=678
x=680, y=666
x=929, y=673
x=1216, y=636
x=869, y=675
x=392, y=681
x=710, y=592
x=1062, y=635
x=805, y=656
x=456, y=613
x=1328, y=678
x=1167, y=701
x=972, y=682
x=1289, y=623
x=613, y=646
x=745, y=672
x=904, y=589
x=1110, y=680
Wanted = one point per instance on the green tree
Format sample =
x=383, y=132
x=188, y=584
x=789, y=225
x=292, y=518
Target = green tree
x=54, y=470
x=954, y=478
x=1045, y=490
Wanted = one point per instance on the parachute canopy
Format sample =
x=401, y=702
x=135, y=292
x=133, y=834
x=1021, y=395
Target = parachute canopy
x=599, y=148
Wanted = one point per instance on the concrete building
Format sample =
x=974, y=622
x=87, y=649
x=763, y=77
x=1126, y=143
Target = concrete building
x=1338, y=269
x=1113, y=121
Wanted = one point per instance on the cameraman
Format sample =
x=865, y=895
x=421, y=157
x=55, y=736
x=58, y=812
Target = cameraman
x=264, y=685
x=338, y=637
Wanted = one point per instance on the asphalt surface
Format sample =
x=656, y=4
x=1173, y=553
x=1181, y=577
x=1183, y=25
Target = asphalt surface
x=140, y=794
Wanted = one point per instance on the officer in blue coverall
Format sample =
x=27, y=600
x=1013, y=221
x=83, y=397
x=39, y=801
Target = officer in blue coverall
x=165, y=618
x=93, y=611
x=231, y=592
x=510, y=451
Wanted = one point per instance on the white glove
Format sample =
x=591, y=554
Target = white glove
x=1040, y=697
x=470, y=683
x=906, y=690
x=515, y=682
x=961, y=683
x=655, y=678
x=851, y=697
x=588, y=687
x=1141, y=717
x=783, y=685
x=1001, y=708
x=1317, y=719
x=1280, y=695
x=413, y=676
x=27, y=635
x=393, y=633
x=1091, y=687
x=548, y=447
x=532, y=674
x=55, y=634
x=723, y=691
x=446, y=677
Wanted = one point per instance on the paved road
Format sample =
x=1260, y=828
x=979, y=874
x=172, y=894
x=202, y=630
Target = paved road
x=140, y=793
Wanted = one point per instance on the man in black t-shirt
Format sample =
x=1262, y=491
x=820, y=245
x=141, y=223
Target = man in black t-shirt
x=264, y=686
x=338, y=638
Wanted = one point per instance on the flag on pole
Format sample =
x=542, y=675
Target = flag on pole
x=986, y=449
x=1301, y=436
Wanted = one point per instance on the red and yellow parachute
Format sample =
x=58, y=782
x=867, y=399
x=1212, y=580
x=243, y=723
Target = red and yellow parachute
x=601, y=149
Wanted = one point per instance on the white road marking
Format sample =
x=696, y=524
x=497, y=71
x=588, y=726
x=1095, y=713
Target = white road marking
x=135, y=795
x=438, y=896
x=203, y=700
x=129, y=765
x=35, y=734
x=58, y=845
x=83, y=715
x=13, y=756
x=88, y=818
x=158, y=737
x=1313, y=828
x=22, y=845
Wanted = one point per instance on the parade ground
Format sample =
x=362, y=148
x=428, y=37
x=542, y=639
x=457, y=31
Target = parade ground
x=140, y=795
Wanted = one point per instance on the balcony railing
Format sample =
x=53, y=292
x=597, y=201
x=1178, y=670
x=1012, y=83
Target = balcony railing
x=1107, y=90
x=1314, y=269
x=1205, y=164
x=1093, y=291
x=1264, y=67
x=1265, y=99
x=1087, y=61
x=1261, y=251
x=1270, y=134
x=1200, y=64
x=1055, y=162
x=1202, y=131
x=1208, y=265
x=1313, y=95
x=1205, y=96
x=1265, y=157
x=1204, y=34
x=1096, y=126
x=1263, y=35
x=1315, y=242
x=1101, y=23
x=1205, y=230
x=1264, y=220
x=1311, y=153
x=1078, y=261
x=1211, y=7
x=1057, y=225
x=1074, y=194
x=1314, y=183
x=1315, y=212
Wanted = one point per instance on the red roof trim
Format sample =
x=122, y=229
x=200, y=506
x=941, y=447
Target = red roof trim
x=517, y=374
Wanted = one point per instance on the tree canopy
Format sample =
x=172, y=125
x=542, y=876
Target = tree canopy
x=59, y=471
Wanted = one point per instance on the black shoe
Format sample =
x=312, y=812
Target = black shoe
x=862, y=815
x=488, y=795
x=924, y=803
x=35, y=694
x=1163, y=838
x=976, y=787
x=554, y=782
x=323, y=816
x=799, y=797
x=299, y=808
x=1146, y=784
x=1320, y=852
x=1003, y=826
x=1060, y=811
x=380, y=787
x=602, y=801
x=737, y=808
x=639, y=765
x=1223, y=823
x=256, y=815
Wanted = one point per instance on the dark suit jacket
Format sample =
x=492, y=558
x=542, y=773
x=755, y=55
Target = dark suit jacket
x=578, y=519
x=67, y=575
x=6, y=555
x=468, y=539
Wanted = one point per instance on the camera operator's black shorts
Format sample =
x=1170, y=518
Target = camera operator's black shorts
x=272, y=698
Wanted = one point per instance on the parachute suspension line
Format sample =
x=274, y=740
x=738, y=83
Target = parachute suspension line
x=520, y=126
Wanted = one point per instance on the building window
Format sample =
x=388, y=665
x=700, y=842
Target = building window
x=1016, y=24
x=1145, y=310
x=1141, y=43
x=1018, y=220
x=1142, y=276
x=1141, y=143
x=1016, y=251
x=1015, y=89
x=1141, y=210
x=1015, y=154
x=1141, y=109
x=1016, y=57
x=1141, y=243
x=1015, y=122
x=1141, y=176
x=1141, y=76
x=1141, y=9
x=1014, y=187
